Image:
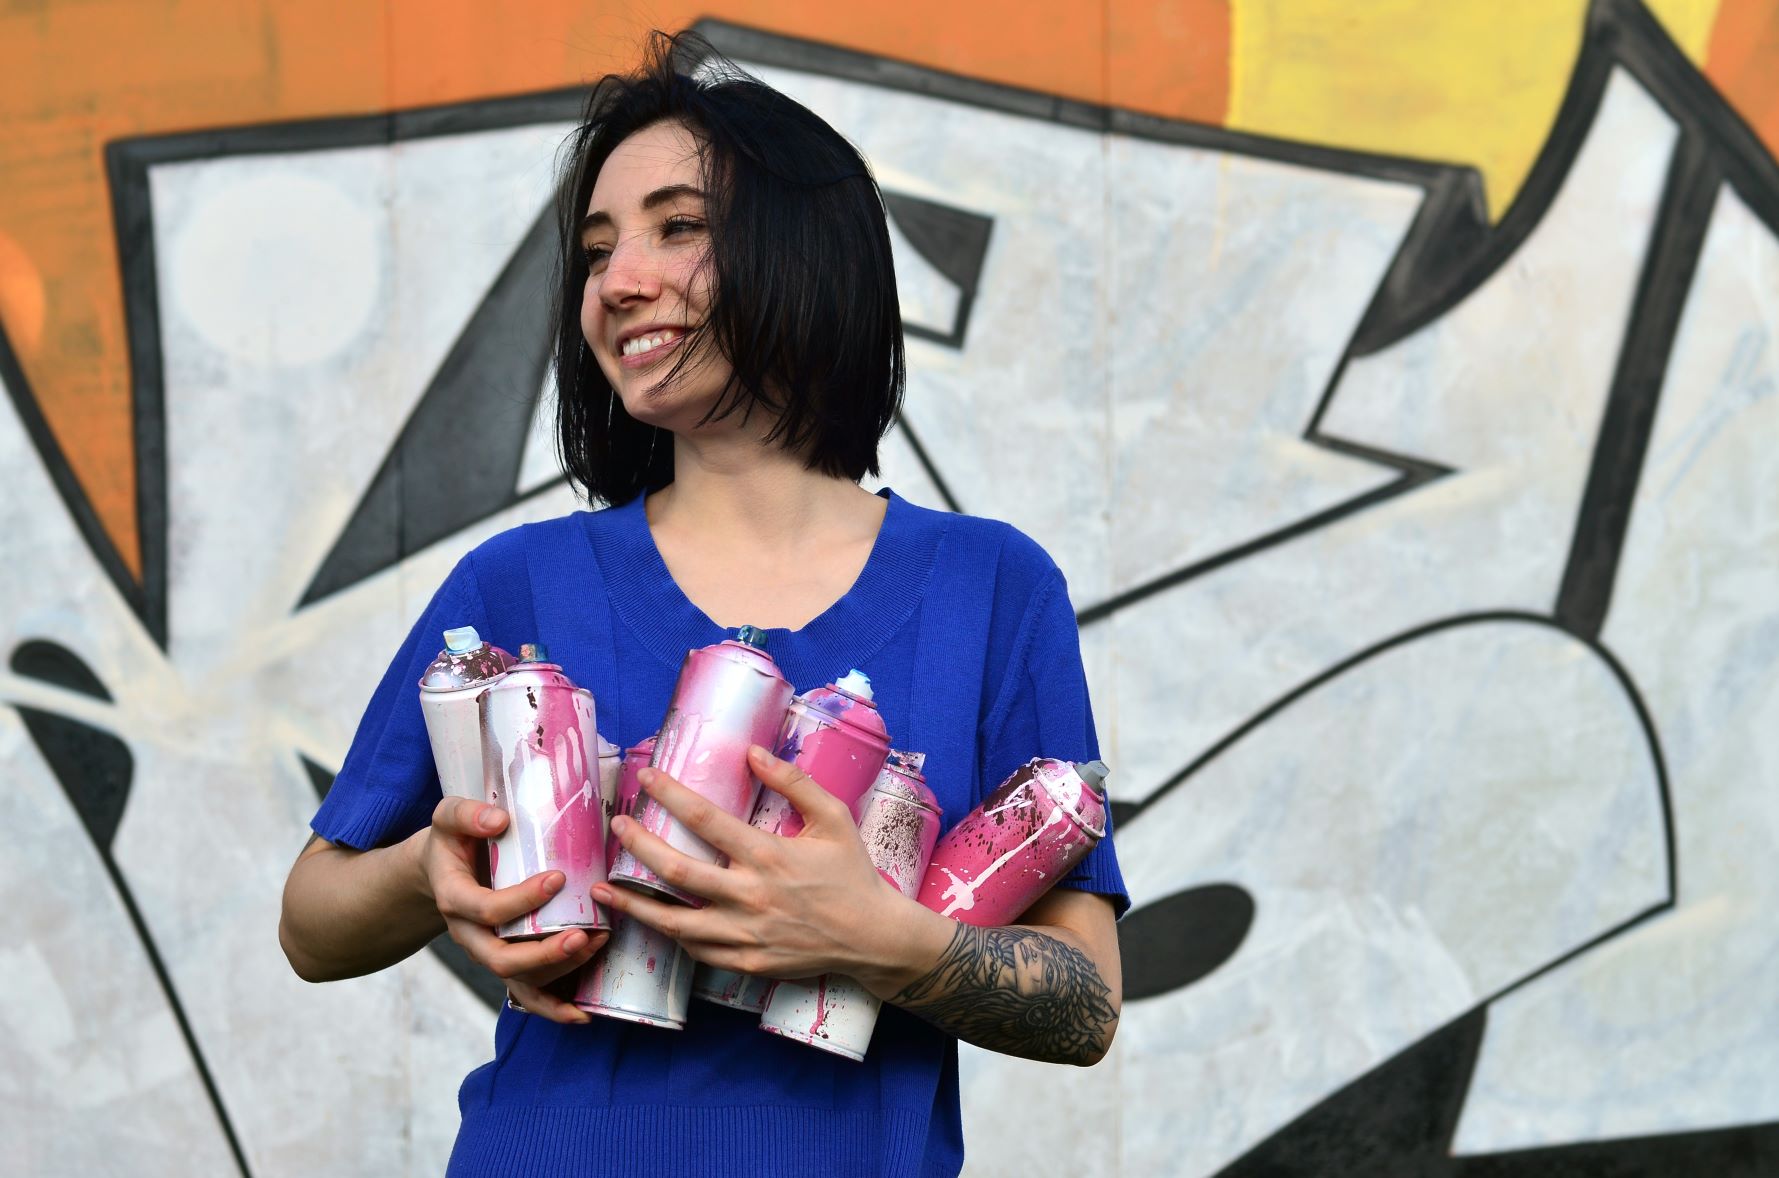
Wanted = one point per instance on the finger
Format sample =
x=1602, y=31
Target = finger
x=676, y=920
x=531, y=999
x=819, y=808
x=460, y=894
x=508, y=960
x=673, y=867
x=469, y=818
x=700, y=815
x=569, y=964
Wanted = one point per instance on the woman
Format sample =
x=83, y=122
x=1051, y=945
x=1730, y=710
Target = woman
x=729, y=354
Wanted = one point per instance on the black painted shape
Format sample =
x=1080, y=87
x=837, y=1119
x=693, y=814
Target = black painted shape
x=1123, y=812
x=1450, y=229
x=928, y=465
x=49, y=662
x=1745, y=1151
x=128, y=163
x=95, y=770
x=1396, y=1121
x=1168, y=945
x=954, y=242
x=481, y=983
x=321, y=779
x=457, y=459
x=94, y=767
x=1604, y=517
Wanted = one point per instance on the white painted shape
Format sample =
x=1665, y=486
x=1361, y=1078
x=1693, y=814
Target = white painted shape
x=1016, y=420
x=95, y=1078
x=249, y=441
x=1423, y=830
x=1673, y=1028
x=538, y=465
x=1510, y=385
x=279, y=268
x=1235, y=286
x=927, y=297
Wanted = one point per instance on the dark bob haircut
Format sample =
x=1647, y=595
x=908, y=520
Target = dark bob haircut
x=803, y=287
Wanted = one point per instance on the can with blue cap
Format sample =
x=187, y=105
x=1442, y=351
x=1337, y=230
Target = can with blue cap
x=448, y=693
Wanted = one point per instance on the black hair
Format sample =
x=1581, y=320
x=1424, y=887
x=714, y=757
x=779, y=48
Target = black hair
x=803, y=289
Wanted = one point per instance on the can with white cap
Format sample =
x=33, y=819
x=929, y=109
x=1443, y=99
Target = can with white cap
x=448, y=692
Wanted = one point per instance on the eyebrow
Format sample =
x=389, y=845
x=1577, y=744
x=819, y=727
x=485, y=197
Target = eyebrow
x=661, y=196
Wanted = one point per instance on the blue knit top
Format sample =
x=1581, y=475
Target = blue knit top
x=965, y=628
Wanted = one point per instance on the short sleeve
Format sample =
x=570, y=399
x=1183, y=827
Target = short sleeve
x=387, y=786
x=1043, y=711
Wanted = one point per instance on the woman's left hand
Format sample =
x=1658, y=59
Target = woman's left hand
x=783, y=907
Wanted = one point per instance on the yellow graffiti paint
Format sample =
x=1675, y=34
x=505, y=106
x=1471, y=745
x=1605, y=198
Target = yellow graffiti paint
x=1689, y=22
x=1464, y=81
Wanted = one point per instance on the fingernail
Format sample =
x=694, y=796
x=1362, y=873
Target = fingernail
x=646, y=777
x=574, y=942
x=620, y=823
x=553, y=882
x=602, y=894
x=756, y=750
x=489, y=818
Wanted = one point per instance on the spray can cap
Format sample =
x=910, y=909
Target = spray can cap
x=855, y=683
x=533, y=652
x=1094, y=773
x=751, y=636
x=461, y=639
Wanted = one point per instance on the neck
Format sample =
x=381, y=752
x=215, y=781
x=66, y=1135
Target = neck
x=733, y=485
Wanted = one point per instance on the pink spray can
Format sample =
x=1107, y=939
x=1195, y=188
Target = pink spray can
x=729, y=696
x=1011, y=849
x=540, y=759
x=448, y=692
x=835, y=735
x=899, y=823
x=641, y=976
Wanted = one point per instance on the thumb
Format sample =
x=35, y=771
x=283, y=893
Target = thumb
x=819, y=809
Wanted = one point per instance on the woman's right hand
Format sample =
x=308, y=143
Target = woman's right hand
x=472, y=912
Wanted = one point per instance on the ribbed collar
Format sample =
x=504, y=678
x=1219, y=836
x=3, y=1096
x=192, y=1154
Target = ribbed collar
x=646, y=598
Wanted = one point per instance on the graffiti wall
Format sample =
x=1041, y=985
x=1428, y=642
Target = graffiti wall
x=1415, y=369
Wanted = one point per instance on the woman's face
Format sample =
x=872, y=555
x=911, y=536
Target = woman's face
x=647, y=247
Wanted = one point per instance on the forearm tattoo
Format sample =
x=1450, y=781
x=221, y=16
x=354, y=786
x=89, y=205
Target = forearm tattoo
x=1018, y=991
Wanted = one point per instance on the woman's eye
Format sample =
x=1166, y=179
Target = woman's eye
x=595, y=255
x=677, y=225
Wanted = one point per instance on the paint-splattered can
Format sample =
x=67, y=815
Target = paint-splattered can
x=540, y=758
x=448, y=692
x=729, y=696
x=899, y=823
x=835, y=735
x=636, y=759
x=989, y=868
x=641, y=976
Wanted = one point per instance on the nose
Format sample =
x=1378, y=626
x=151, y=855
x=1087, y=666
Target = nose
x=632, y=275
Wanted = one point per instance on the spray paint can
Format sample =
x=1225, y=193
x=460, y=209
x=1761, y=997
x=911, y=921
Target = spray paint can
x=729, y=696
x=899, y=823
x=540, y=759
x=835, y=735
x=448, y=692
x=1014, y=847
x=641, y=976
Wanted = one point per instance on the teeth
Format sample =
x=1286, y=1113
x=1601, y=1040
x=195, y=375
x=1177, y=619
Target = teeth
x=641, y=343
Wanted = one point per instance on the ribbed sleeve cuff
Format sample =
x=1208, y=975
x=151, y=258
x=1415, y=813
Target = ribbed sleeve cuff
x=688, y=1143
x=360, y=819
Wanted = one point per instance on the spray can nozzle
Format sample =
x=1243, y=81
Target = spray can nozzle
x=533, y=652
x=751, y=636
x=855, y=683
x=461, y=639
x=1094, y=773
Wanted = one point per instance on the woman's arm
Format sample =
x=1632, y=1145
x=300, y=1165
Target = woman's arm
x=348, y=912
x=1048, y=989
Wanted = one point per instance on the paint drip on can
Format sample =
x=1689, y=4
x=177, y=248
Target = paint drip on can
x=640, y=976
x=540, y=760
x=1015, y=846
